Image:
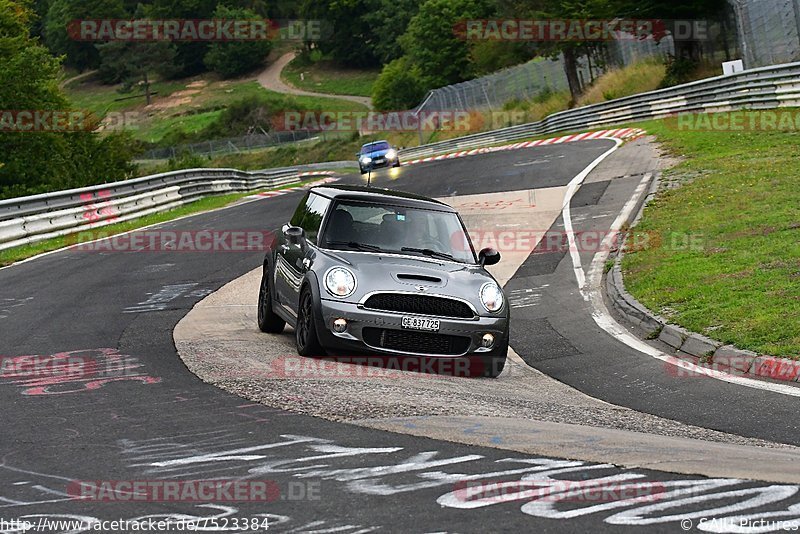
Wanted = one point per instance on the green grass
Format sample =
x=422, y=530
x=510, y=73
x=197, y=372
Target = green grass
x=13, y=255
x=155, y=131
x=323, y=76
x=616, y=83
x=635, y=78
x=721, y=254
x=320, y=102
x=191, y=111
x=89, y=95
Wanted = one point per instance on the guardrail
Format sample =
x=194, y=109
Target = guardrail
x=29, y=219
x=34, y=218
x=761, y=88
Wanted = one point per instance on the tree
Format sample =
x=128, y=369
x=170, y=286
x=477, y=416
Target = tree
x=431, y=42
x=133, y=62
x=238, y=57
x=389, y=21
x=79, y=54
x=489, y=56
x=569, y=10
x=352, y=41
x=189, y=56
x=40, y=8
x=35, y=162
x=399, y=87
x=700, y=10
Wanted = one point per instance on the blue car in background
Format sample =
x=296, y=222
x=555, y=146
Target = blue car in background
x=377, y=154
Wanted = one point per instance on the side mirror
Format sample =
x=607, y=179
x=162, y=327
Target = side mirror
x=358, y=155
x=294, y=235
x=488, y=256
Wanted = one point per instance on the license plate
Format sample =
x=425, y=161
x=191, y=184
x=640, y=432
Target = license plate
x=379, y=160
x=419, y=323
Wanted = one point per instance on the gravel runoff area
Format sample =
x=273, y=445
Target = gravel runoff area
x=220, y=342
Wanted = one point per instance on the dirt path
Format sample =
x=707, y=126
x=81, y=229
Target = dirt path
x=270, y=78
x=80, y=76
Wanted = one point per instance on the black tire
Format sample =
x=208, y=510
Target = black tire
x=494, y=365
x=396, y=163
x=268, y=321
x=306, y=338
x=362, y=170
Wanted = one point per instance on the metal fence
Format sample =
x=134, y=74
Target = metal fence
x=536, y=77
x=768, y=31
x=762, y=88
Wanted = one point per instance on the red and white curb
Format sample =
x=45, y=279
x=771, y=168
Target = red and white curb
x=269, y=194
x=620, y=133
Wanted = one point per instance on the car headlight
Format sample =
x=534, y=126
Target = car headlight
x=366, y=159
x=491, y=296
x=340, y=282
x=391, y=154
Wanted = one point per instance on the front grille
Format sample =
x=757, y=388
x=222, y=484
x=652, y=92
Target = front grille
x=419, y=304
x=415, y=342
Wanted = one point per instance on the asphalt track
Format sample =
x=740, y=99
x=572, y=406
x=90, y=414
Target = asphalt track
x=158, y=421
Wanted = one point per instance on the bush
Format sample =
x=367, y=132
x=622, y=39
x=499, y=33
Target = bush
x=398, y=87
x=679, y=70
x=251, y=114
x=186, y=160
x=239, y=57
x=245, y=116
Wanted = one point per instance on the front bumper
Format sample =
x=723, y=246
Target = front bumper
x=357, y=337
x=378, y=163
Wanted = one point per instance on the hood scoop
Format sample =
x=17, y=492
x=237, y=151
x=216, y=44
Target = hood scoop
x=419, y=279
x=410, y=278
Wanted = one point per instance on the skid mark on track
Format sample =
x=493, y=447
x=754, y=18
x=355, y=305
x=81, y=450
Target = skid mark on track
x=161, y=299
x=7, y=305
x=526, y=297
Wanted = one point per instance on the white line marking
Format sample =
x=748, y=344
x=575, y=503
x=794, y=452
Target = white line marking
x=591, y=291
x=572, y=187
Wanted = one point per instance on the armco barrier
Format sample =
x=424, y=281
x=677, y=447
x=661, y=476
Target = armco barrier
x=29, y=219
x=762, y=88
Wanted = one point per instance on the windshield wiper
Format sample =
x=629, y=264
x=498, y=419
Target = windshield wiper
x=430, y=252
x=355, y=244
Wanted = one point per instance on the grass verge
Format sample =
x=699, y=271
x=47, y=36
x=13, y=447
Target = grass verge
x=324, y=76
x=720, y=255
x=636, y=78
x=13, y=255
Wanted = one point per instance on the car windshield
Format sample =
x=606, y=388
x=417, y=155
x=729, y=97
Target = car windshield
x=380, y=227
x=374, y=147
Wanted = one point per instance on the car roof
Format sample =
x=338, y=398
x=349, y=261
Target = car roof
x=377, y=194
x=375, y=142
